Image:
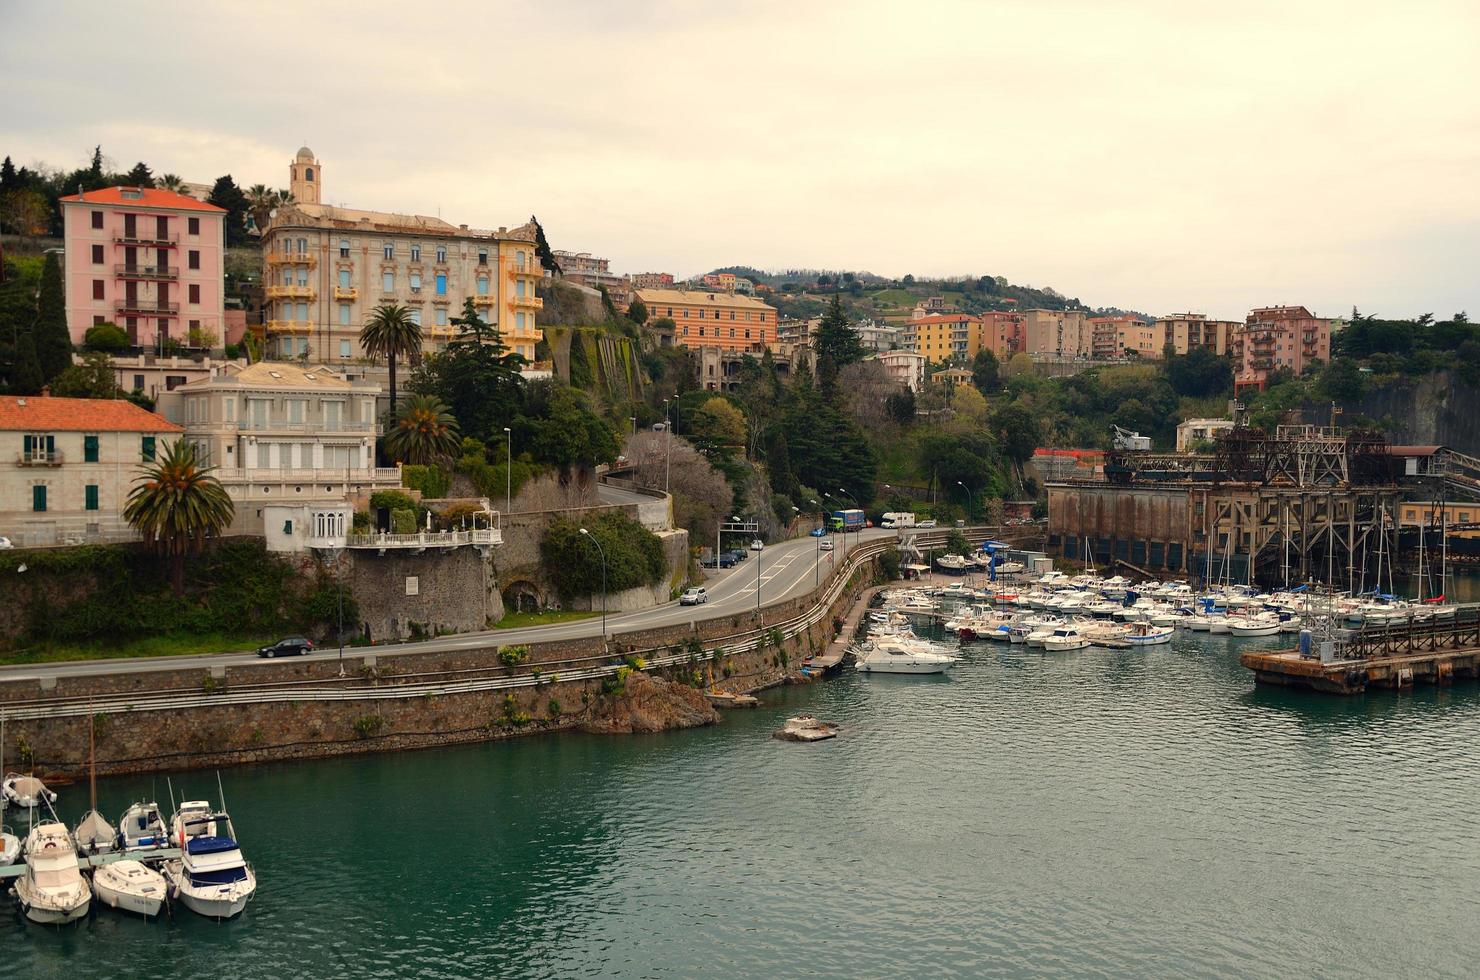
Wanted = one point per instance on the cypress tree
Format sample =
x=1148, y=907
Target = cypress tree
x=25, y=376
x=53, y=344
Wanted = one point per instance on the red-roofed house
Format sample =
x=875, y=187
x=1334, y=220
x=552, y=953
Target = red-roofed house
x=74, y=462
x=151, y=261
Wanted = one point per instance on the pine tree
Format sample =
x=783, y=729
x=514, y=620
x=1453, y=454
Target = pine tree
x=9, y=180
x=140, y=176
x=227, y=196
x=53, y=344
x=836, y=345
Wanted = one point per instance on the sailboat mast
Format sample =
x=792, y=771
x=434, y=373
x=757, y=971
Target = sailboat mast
x=92, y=759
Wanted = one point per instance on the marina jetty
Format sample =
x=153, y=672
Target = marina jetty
x=1390, y=655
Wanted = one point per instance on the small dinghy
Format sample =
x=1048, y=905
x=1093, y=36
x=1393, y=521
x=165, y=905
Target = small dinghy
x=10, y=847
x=130, y=887
x=26, y=792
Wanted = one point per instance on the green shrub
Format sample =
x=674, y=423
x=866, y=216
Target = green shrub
x=553, y=708
x=107, y=337
x=391, y=500
x=403, y=521
x=367, y=726
x=634, y=555
x=513, y=715
x=513, y=656
x=432, y=481
x=362, y=520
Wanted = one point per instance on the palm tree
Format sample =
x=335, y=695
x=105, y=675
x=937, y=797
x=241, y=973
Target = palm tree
x=176, y=505
x=391, y=333
x=425, y=432
x=171, y=182
x=283, y=197
x=260, y=202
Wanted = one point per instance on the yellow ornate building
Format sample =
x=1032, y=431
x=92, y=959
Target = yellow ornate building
x=326, y=268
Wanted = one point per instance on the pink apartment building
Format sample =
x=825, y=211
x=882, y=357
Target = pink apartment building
x=151, y=261
x=1277, y=337
x=1002, y=333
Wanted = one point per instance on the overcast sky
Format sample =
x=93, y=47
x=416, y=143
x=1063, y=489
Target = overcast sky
x=1161, y=156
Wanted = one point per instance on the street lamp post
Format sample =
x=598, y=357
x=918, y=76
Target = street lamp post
x=845, y=523
x=508, y=470
x=817, y=548
x=969, y=498
x=601, y=551
x=758, y=556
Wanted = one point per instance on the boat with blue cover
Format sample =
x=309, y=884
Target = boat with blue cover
x=211, y=878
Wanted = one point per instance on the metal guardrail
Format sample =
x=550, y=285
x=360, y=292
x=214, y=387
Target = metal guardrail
x=1406, y=637
x=594, y=667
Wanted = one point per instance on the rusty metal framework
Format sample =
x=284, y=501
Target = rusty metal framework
x=1404, y=639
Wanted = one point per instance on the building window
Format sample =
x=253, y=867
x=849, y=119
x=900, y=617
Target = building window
x=344, y=349
x=701, y=331
x=416, y=282
x=195, y=292
x=89, y=449
x=482, y=256
x=416, y=253
x=519, y=321
x=441, y=284
x=38, y=498
x=302, y=312
x=97, y=289
x=441, y=253
x=194, y=257
x=98, y=320
x=388, y=282
x=344, y=248
x=482, y=285
x=146, y=449
x=343, y=278
x=302, y=246
x=193, y=226
x=97, y=254
x=90, y=496
x=389, y=251
x=97, y=219
x=441, y=316
x=519, y=288
x=344, y=314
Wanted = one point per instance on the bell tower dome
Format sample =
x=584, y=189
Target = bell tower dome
x=305, y=177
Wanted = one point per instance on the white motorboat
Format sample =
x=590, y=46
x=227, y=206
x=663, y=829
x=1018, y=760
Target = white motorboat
x=1066, y=637
x=954, y=564
x=1019, y=632
x=1254, y=625
x=131, y=887
x=26, y=791
x=892, y=655
x=1218, y=624
x=10, y=847
x=95, y=835
x=211, y=878
x=1144, y=634
x=52, y=890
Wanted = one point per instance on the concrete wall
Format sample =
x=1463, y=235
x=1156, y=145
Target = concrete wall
x=401, y=595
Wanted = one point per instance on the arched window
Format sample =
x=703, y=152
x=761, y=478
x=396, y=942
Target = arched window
x=308, y=173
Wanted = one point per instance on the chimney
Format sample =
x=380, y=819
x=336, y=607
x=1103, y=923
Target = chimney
x=46, y=391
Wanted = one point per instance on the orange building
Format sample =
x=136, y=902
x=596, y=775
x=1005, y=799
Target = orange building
x=729, y=321
x=1188, y=331
x=1277, y=337
x=1125, y=336
x=1002, y=333
x=942, y=336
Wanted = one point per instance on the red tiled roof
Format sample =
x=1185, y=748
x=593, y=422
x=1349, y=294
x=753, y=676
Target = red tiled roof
x=150, y=197
x=37, y=413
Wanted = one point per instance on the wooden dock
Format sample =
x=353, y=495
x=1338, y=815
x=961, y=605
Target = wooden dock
x=1391, y=657
x=830, y=659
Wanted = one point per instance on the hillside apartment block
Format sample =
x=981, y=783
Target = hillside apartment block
x=727, y=321
x=326, y=268
x=1275, y=337
x=151, y=261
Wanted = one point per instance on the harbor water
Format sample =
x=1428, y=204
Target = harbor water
x=1125, y=813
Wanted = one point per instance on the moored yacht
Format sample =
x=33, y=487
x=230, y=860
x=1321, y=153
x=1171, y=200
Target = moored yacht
x=131, y=887
x=211, y=877
x=52, y=890
x=895, y=655
x=1066, y=637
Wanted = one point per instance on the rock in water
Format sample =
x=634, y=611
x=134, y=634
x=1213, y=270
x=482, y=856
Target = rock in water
x=805, y=728
x=650, y=704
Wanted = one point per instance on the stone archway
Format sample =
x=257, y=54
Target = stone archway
x=522, y=596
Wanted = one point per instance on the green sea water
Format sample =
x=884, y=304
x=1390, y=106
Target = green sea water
x=1125, y=813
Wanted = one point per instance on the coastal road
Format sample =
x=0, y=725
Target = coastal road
x=780, y=572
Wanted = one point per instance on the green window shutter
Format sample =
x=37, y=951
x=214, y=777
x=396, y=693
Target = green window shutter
x=147, y=449
x=92, y=496
x=89, y=449
x=29, y=443
x=51, y=445
x=38, y=498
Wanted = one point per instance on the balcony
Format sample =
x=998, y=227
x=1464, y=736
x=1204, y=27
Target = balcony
x=270, y=425
x=146, y=307
x=289, y=326
x=147, y=240
x=483, y=299
x=529, y=302
x=125, y=271
x=289, y=292
x=39, y=457
x=346, y=293
x=292, y=258
x=382, y=542
x=527, y=270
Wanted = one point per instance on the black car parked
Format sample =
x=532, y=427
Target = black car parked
x=288, y=646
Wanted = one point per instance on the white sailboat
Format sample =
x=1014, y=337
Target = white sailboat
x=131, y=887
x=52, y=890
x=94, y=834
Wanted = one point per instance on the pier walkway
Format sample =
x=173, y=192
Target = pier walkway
x=1391, y=655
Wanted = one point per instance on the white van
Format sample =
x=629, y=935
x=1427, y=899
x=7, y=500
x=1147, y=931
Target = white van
x=898, y=519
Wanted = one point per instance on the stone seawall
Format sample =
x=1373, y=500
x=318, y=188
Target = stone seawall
x=391, y=718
